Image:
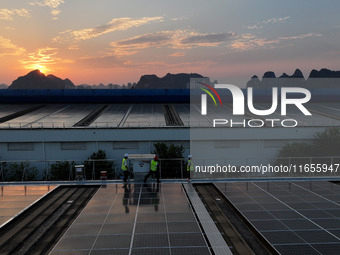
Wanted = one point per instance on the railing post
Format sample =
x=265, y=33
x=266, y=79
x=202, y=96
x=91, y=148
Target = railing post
x=93, y=168
x=23, y=173
x=114, y=169
x=70, y=174
x=160, y=169
x=2, y=172
x=181, y=162
x=47, y=170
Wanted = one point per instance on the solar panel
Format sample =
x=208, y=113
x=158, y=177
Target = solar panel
x=294, y=217
x=14, y=199
x=138, y=219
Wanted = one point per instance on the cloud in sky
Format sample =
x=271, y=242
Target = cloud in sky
x=207, y=39
x=254, y=27
x=172, y=39
x=43, y=59
x=9, y=28
x=301, y=36
x=268, y=21
x=176, y=39
x=276, y=20
x=177, y=54
x=52, y=4
x=7, y=14
x=247, y=42
x=117, y=24
x=134, y=44
x=7, y=47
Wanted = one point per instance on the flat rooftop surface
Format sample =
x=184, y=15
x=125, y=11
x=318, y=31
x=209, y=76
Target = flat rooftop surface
x=295, y=217
x=147, y=115
x=136, y=219
x=14, y=199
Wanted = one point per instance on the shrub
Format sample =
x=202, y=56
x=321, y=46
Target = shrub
x=20, y=172
x=100, y=163
x=60, y=170
x=170, y=168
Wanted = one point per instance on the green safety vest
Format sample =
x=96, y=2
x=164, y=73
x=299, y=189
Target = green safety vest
x=190, y=166
x=124, y=167
x=153, y=166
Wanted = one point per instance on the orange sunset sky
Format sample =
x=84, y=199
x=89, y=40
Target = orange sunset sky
x=118, y=41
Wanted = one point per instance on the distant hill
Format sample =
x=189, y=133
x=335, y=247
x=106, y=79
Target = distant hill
x=169, y=81
x=324, y=78
x=3, y=86
x=38, y=80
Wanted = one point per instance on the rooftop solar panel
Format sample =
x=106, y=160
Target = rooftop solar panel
x=137, y=219
x=295, y=217
x=146, y=115
x=112, y=116
x=152, y=115
x=14, y=199
x=6, y=109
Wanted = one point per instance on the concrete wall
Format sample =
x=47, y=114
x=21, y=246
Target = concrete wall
x=234, y=145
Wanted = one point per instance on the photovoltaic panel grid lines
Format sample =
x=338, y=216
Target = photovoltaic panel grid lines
x=136, y=219
x=294, y=217
x=14, y=199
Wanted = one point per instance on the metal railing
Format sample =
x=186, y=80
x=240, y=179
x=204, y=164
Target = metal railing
x=143, y=124
x=63, y=170
x=46, y=170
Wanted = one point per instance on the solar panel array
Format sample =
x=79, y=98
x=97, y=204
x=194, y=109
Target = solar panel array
x=137, y=219
x=14, y=199
x=150, y=115
x=294, y=217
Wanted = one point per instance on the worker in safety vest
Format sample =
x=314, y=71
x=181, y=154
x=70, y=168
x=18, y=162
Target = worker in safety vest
x=153, y=170
x=190, y=167
x=125, y=168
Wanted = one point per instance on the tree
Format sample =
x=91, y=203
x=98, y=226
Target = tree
x=60, y=171
x=20, y=172
x=170, y=168
x=296, y=149
x=325, y=144
x=301, y=153
x=98, y=162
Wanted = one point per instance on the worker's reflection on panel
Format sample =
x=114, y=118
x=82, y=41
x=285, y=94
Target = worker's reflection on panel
x=126, y=197
x=152, y=196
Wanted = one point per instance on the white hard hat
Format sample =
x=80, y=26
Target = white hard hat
x=126, y=155
x=190, y=156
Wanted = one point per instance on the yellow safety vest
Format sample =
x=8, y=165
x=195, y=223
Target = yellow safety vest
x=124, y=167
x=153, y=166
x=190, y=166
